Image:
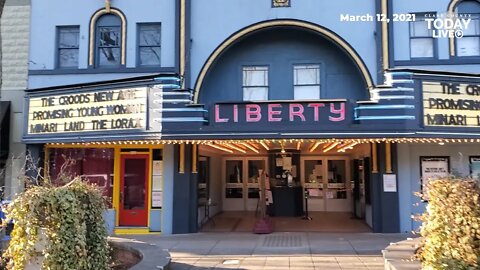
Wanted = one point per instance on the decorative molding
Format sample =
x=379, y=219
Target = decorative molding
x=267, y=24
x=181, y=163
x=388, y=157
x=182, y=39
x=374, y=158
x=451, y=10
x=194, y=158
x=93, y=22
x=385, y=58
x=280, y=3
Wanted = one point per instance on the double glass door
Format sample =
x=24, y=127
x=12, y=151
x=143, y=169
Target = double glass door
x=241, y=185
x=327, y=181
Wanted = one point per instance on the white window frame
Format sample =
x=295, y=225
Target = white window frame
x=299, y=85
x=429, y=36
x=248, y=86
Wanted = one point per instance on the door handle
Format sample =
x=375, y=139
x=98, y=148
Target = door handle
x=121, y=196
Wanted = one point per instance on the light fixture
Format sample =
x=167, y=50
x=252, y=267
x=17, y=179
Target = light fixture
x=235, y=148
x=299, y=145
x=220, y=148
x=330, y=147
x=262, y=143
x=250, y=147
x=314, y=146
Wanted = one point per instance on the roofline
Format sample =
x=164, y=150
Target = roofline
x=435, y=72
x=145, y=78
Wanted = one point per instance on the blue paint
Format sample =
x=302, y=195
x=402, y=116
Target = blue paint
x=280, y=49
x=42, y=34
x=168, y=181
x=109, y=217
x=213, y=21
x=155, y=220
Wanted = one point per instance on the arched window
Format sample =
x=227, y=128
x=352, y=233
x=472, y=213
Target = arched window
x=107, y=39
x=469, y=43
x=108, y=34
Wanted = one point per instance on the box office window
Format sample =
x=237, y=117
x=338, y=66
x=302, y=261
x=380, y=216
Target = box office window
x=306, y=82
x=94, y=165
x=67, y=46
x=255, y=83
x=421, y=37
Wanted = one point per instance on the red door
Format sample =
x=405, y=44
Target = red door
x=134, y=190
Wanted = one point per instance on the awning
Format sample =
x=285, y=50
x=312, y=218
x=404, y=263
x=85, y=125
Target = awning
x=4, y=128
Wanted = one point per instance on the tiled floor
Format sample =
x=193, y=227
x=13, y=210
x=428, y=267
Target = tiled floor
x=320, y=222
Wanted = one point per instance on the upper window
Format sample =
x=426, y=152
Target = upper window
x=108, y=41
x=421, y=38
x=255, y=83
x=67, y=46
x=306, y=82
x=469, y=44
x=149, y=44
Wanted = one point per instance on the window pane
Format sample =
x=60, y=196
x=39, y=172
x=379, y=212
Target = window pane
x=109, y=57
x=306, y=74
x=468, y=46
x=255, y=76
x=149, y=35
x=421, y=47
x=419, y=29
x=255, y=93
x=149, y=56
x=306, y=92
x=472, y=29
x=68, y=37
x=109, y=36
x=68, y=58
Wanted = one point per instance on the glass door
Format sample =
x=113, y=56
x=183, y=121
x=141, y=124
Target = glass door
x=256, y=166
x=313, y=178
x=133, y=209
x=233, y=199
x=338, y=192
x=242, y=183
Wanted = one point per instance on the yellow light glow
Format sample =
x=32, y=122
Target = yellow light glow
x=220, y=148
x=250, y=147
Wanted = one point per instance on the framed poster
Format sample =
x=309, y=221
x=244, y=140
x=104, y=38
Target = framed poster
x=433, y=168
x=475, y=167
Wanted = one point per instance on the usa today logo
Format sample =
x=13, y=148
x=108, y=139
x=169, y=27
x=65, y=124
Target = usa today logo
x=448, y=26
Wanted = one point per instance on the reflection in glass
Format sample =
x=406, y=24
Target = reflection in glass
x=134, y=184
x=337, y=188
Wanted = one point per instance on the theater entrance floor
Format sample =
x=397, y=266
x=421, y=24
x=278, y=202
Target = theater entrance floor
x=331, y=222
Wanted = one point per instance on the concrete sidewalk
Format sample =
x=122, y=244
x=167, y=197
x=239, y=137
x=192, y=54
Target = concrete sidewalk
x=275, y=251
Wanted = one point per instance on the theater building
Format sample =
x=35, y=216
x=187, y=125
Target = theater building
x=187, y=114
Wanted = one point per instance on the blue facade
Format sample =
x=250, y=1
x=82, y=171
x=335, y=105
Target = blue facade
x=374, y=86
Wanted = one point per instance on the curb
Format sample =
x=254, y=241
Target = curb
x=151, y=255
x=400, y=255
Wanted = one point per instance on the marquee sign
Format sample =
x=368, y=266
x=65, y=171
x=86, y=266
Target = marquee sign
x=116, y=109
x=277, y=112
x=451, y=104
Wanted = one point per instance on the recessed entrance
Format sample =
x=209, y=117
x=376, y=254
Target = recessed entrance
x=325, y=181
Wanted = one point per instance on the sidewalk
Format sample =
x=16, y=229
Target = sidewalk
x=275, y=251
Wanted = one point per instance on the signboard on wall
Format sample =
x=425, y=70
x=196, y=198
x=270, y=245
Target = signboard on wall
x=279, y=113
x=116, y=109
x=433, y=168
x=450, y=104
